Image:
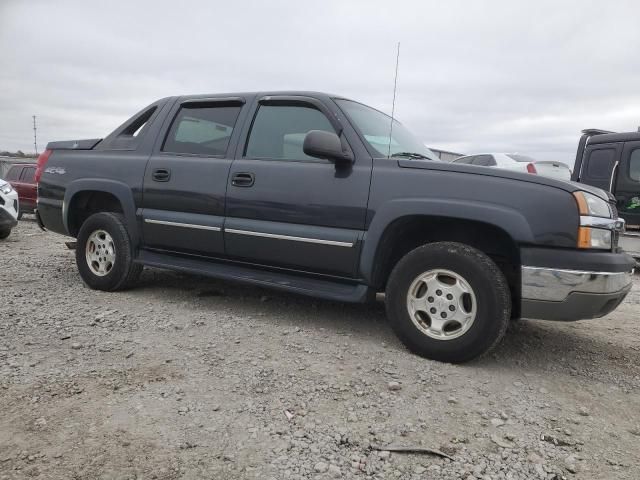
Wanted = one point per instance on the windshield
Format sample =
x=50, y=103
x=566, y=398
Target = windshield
x=520, y=158
x=375, y=125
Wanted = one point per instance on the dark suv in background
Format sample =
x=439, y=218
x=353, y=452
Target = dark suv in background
x=611, y=161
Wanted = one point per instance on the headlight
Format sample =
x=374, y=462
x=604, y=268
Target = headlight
x=589, y=237
x=593, y=206
x=6, y=188
x=595, y=221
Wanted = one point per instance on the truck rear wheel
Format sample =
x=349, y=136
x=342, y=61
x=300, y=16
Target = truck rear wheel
x=104, y=254
x=448, y=301
x=4, y=233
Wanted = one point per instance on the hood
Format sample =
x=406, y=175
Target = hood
x=598, y=192
x=567, y=185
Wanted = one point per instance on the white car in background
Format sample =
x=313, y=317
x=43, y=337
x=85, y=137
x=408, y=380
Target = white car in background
x=8, y=209
x=518, y=163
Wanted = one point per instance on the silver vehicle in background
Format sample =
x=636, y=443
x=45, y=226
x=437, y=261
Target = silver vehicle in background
x=8, y=209
x=518, y=163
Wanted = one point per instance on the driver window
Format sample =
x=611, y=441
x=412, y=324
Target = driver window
x=278, y=131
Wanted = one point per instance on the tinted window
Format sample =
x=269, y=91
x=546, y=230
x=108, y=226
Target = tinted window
x=634, y=165
x=484, y=160
x=601, y=163
x=28, y=175
x=465, y=160
x=203, y=130
x=278, y=131
x=136, y=127
x=13, y=173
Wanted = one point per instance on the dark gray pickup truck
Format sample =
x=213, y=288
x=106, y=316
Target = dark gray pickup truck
x=310, y=193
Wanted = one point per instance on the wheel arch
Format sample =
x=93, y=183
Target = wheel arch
x=495, y=230
x=85, y=197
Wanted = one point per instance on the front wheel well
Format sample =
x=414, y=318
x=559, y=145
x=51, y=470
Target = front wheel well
x=86, y=203
x=408, y=233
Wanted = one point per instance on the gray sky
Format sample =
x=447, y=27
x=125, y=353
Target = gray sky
x=474, y=75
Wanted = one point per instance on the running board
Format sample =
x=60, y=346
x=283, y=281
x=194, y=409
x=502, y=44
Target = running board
x=314, y=287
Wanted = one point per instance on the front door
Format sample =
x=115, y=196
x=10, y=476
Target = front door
x=289, y=210
x=186, y=178
x=627, y=184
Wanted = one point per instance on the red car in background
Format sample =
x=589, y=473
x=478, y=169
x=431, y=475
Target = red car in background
x=21, y=176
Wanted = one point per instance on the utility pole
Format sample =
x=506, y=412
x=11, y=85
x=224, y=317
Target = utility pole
x=35, y=138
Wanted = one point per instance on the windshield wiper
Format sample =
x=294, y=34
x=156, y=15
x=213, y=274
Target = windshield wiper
x=411, y=155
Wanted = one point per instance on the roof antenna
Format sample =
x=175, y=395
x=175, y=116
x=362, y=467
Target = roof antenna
x=393, y=105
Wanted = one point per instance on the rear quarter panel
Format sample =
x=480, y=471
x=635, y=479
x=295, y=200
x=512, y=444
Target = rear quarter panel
x=66, y=170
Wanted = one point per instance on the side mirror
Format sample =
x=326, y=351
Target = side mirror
x=321, y=144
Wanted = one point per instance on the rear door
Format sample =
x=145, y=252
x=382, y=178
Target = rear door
x=286, y=209
x=13, y=174
x=599, y=162
x=28, y=188
x=186, y=177
x=627, y=184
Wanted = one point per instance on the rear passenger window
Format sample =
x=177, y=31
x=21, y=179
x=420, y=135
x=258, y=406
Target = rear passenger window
x=634, y=166
x=13, y=173
x=484, y=161
x=28, y=175
x=137, y=126
x=202, y=130
x=464, y=160
x=601, y=163
x=278, y=131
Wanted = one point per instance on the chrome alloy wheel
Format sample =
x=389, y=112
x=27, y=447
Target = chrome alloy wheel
x=100, y=253
x=441, y=304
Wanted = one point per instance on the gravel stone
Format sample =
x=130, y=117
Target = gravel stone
x=172, y=382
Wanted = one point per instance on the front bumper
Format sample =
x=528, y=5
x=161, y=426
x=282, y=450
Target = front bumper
x=567, y=294
x=9, y=210
x=6, y=219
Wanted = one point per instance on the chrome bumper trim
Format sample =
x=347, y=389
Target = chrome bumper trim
x=555, y=285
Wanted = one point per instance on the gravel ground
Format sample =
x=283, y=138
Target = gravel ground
x=185, y=377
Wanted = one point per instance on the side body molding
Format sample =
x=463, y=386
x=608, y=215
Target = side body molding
x=120, y=190
x=505, y=218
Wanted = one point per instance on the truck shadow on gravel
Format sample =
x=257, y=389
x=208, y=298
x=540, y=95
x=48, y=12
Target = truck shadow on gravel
x=553, y=346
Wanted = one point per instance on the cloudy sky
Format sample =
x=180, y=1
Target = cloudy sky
x=474, y=75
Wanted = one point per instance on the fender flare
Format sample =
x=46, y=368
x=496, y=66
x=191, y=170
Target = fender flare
x=499, y=216
x=120, y=190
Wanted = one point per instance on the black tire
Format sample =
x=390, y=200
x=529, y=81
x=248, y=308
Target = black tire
x=20, y=213
x=4, y=233
x=124, y=272
x=493, y=301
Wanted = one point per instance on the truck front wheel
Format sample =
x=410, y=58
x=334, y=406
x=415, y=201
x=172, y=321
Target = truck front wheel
x=104, y=254
x=448, y=301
